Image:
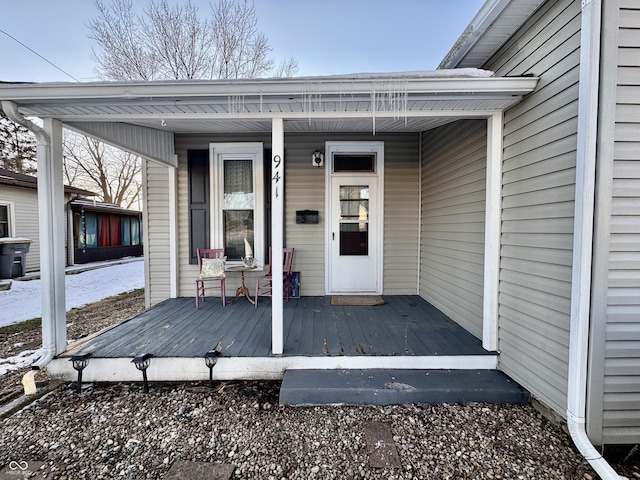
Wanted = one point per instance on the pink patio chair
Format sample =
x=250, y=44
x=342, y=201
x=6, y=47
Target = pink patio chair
x=211, y=263
x=263, y=284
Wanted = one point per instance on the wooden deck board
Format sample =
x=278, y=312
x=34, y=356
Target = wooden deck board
x=293, y=319
x=305, y=340
x=258, y=338
x=404, y=325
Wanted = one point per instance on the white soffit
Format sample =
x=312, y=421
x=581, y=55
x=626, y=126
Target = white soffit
x=151, y=143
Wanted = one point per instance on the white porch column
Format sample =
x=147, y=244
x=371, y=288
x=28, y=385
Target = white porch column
x=493, y=214
x=173, y=231
x=277, y=234
x=52, y=247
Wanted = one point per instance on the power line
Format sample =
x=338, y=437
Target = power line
x=33, y=51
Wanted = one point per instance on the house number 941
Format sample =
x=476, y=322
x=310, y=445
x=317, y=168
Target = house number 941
x=277, y=162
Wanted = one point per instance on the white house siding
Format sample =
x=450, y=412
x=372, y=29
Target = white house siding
x=538, y=202
x=453, y=211
x=24, y=202
x=157, y=232
x=305, y=189
x=614, y=407
x=401, y=214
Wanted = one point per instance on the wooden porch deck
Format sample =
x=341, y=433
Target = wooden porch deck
x=404, y=333
x=404, y=325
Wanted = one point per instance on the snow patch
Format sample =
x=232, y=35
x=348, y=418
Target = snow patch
x=22, y=302
x=415, y=75
x=22, y=360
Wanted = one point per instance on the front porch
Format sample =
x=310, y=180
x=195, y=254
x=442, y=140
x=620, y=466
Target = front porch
x=404, y=333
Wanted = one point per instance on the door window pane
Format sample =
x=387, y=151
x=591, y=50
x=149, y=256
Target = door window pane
x=354, y=239
x=354, y=220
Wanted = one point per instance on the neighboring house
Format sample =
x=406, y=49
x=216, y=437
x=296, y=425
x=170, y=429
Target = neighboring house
x=102, y=231
x=19, y=212
x=94, y=231
x=510, y=202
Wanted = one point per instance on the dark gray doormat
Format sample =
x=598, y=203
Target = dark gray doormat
x=211, y=471
x=380, y=447
x=356, y=300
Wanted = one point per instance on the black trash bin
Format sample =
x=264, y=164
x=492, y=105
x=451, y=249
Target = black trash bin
x=13, y=256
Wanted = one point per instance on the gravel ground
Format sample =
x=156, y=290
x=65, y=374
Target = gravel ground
x=116, y=431
x=80, y=323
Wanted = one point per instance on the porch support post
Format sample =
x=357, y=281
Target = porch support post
x=493, y=214
x=277, y=234
x=52, y=247
x=173, y=231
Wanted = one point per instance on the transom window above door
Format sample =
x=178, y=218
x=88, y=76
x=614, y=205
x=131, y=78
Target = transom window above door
x=354, y=162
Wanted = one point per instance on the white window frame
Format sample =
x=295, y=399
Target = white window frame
x=218, y=153
x=10, y=216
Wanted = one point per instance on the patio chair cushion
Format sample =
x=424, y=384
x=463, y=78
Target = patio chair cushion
x=213, y=267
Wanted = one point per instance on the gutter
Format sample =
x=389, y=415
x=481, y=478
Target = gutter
x=583, y=238
x=42, y=140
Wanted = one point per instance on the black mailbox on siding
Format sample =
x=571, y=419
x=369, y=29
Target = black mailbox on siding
x=307, y=216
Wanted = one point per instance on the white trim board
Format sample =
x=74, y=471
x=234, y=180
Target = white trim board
x=174, y=369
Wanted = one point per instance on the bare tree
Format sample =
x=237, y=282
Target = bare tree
x=179, y=40
x=17, y=147
x=111, y=172
x=286, y=68
x=123, y=55
x=241, y=51
x=168, y=42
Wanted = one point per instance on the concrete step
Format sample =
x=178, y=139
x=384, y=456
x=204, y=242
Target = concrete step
x=398, y=387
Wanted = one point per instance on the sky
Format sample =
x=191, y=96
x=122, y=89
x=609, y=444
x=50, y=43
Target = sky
x=327, y=37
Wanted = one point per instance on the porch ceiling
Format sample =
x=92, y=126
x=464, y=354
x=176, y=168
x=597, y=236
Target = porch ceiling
x=382, y=102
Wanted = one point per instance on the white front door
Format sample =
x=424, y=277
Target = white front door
x=354, y=218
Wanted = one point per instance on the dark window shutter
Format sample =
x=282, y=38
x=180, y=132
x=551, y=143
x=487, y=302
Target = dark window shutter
x=199, y=218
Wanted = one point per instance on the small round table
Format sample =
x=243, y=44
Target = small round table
x=242, y=289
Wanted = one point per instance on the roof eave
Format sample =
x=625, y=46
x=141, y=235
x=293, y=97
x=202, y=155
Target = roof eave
x=65, y=92
x=478, y=32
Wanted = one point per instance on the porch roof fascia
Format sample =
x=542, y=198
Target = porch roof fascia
x=412, y=84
